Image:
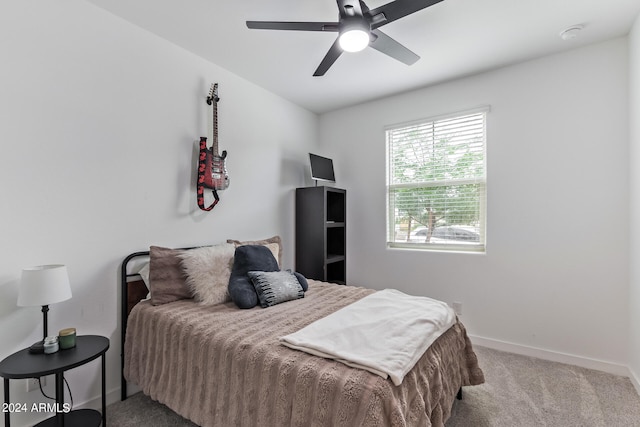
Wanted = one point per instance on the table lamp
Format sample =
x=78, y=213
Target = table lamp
x=43, y=285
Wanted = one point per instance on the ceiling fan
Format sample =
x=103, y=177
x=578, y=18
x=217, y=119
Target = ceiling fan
x=358, y=28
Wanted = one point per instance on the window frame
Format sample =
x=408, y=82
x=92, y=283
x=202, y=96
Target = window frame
x=482, y=183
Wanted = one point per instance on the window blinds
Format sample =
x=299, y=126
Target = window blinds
x=436, y=183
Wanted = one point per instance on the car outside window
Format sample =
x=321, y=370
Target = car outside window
x=436, y=183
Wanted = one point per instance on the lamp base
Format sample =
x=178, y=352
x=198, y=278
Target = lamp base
x=37, y=348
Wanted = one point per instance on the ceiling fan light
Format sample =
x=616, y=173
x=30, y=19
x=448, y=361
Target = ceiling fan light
x=354, y=40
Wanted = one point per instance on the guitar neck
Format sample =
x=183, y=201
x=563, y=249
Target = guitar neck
x=215, y=128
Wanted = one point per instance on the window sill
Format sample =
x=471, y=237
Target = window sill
x=448, y=248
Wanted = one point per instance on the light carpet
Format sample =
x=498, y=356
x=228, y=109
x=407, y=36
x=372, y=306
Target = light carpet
x=519, y=391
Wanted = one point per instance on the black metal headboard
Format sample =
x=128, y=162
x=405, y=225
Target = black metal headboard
x=125, y=277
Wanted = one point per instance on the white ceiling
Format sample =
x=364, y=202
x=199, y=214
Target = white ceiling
x=454, y=38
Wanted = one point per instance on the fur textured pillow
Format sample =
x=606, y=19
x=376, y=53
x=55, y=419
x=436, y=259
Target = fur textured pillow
x=208, y=269
x=248, y=258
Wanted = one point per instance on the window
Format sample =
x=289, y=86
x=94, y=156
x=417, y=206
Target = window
x=436, y=183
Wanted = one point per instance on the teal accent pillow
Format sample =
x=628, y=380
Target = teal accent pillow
x=275, y=287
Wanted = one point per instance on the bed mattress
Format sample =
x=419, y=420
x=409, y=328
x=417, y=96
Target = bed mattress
x=218, y=365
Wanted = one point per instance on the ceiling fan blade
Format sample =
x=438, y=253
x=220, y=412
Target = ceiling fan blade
x=385, y=44
x=395, y=10
x=295, y=26
x=334, y=52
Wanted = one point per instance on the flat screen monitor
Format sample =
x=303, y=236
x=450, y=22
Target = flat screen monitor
x=321, y=168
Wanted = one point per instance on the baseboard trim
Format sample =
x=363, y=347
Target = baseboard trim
x=555, y=356
x=634, y=380
x=112, y=396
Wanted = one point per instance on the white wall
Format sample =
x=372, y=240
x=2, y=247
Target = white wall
x=634, y=113
x=556, y=272
x=99, y=121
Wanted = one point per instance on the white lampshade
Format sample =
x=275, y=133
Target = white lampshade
x=44, y=285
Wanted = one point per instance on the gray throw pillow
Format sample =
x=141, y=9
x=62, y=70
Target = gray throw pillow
x=275, y=287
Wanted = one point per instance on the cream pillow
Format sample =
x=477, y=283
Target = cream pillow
x=208, y=269
x=144, y=274
x=273, y=243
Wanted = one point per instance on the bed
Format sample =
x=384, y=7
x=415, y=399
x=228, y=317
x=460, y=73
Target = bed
x=218, y=365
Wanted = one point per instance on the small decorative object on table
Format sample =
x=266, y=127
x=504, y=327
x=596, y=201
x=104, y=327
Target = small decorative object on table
x=50, y=345
x=67, y=338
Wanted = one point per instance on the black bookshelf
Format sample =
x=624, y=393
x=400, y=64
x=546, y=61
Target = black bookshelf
x=321, y=235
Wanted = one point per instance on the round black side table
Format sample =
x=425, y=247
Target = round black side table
x=23, y=364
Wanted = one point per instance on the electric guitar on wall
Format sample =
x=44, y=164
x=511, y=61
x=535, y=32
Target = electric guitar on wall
x=219, y=175
x=212, y=169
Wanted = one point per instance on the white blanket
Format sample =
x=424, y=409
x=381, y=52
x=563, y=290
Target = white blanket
x=385, y=332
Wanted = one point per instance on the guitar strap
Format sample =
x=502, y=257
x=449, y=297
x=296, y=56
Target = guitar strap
x=203, y=170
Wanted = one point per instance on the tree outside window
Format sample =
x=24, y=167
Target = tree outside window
x=436, y=183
